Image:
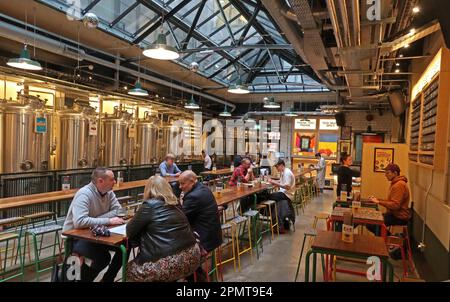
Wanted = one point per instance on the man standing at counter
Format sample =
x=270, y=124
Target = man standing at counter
x=168, y=167
x=321, y=168
x=95, y=204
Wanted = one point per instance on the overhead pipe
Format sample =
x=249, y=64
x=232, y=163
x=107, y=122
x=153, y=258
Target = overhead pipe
x=20, y=35
x=282, y=113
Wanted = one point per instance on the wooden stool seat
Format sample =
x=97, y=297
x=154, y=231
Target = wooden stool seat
x=11, y=221
x=268, y=202
x=8, y=236
x=322, y=216
x=44, y=229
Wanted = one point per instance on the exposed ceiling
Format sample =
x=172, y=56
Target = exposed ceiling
x=285, y=48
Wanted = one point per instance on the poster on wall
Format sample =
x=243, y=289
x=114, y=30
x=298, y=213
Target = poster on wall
x=382, y=158
x=346, y=133
x=345, y=147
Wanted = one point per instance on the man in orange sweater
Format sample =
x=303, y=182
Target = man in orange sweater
x=397, y=203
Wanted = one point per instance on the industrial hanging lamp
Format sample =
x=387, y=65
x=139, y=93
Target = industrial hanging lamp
x=192, y=104
x=161, y=50
x=25, y=61
x=238, y=87
x=225, y=112
x=137, y=90
x=291, y=113
x=269, y=103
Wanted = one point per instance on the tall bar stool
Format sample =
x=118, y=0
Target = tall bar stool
x=243, y=223
x=257, y=238
x=228, y=244
x=12, y=235
x=269, y=204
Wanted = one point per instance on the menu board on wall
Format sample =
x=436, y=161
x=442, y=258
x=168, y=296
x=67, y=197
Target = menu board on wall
x=328, y=124
x=304, y=124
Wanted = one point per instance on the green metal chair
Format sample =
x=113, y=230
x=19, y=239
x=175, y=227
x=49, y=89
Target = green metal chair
x=37, y=235
x=8, y=254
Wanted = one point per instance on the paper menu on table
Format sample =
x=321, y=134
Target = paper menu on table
x=121, y=230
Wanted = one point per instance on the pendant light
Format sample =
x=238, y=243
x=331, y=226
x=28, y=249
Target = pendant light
x=137, y=90
x=269, y=103
x=160, y=50
x=192, y=104
x=25, y=61
x=238, y=87
x=291, y=113
x=225, y=112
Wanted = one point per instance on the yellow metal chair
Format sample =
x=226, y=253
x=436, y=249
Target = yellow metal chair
x=243, y=223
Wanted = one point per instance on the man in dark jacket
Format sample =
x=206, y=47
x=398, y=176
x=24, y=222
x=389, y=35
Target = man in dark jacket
x=200, y=207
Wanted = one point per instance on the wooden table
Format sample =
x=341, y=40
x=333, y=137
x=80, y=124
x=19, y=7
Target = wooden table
x=115, y=240
x=365, y=216
x=233, y=193
x=347, y=204
x=220, y=172
x=329, y=243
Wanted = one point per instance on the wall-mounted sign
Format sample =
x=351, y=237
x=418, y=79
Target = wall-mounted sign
x=40, y=125
x=328, y=124
x=93, y=128
x=303, y=124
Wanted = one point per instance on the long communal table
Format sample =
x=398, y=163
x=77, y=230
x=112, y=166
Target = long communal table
x=220, y=172
x=27, y=200
x=116, y=240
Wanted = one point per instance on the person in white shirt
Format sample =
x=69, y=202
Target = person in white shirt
x=207, y=162
x=285, y=195
x=321, y=168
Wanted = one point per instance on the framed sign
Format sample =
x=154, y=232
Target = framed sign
x=346, y=133
x=382, y=158
x=303, y=124
x=345, y=147
x=328, y=124
x=40, y=124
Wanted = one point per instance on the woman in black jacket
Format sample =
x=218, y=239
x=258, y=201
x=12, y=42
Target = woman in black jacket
x=168, y=248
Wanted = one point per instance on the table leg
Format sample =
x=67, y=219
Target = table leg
x=308, y=256
x=124, y=262
x=314, y=267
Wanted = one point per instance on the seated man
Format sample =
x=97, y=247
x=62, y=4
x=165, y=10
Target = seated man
x=168, y=167
x=244, y=174
x=200, y=207
x=95, y=204
x=285, y=195
x=397, y=202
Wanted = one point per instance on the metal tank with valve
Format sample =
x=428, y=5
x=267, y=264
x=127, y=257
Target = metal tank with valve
x=77, y=146
x=27, y=131
x=147, y=140
x=118, y=138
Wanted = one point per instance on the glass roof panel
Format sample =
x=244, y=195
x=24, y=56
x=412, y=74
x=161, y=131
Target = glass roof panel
x=131, y=19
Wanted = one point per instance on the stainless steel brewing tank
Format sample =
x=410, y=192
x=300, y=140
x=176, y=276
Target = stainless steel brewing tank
x=27, y=136
x=77, y=146
x=118, y=140
x=163, y=142
x=2, y=135
x=146, y=142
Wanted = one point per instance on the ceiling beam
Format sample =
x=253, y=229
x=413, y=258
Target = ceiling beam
x=185, y=42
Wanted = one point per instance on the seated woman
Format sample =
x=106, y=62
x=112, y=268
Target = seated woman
x=168, y=248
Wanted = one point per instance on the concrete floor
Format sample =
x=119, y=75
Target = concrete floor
x=278, y=262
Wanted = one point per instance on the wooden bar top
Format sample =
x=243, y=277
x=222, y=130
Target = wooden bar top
x=86, y=234
x=217, y=172
x=231, y=194
x=362, y=244
x=25, y=200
